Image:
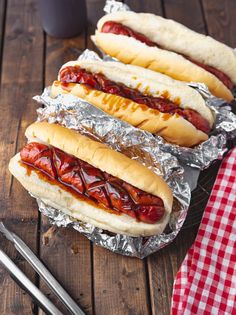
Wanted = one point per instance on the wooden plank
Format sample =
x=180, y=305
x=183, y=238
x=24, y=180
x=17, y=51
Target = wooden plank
x=21, y=79
x=2, y=26
x=119, y=284
x=186, y=12
x=220, y=19
x=163, y=265
x=148, y=6
x=60, y=51
x=67, y=254
x=13, y=299
x=2, y=18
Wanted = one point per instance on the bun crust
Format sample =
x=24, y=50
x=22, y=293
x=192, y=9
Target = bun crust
x=148, y=82
x=102, y=157
x=172, y=128
x=160, y=60
x=64, y=201
x=176, y=37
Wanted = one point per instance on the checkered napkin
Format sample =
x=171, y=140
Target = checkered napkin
x=206, y=281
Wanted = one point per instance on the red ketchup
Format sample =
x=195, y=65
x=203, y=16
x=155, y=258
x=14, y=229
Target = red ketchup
x=99, y=82
x=89, y=182
x=120, y=29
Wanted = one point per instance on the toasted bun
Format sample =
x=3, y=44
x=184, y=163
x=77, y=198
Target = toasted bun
x=176, y=37
x=64, y=201
x=148, y=82
x=160, y=60
x=102, y=157
x=172, y=128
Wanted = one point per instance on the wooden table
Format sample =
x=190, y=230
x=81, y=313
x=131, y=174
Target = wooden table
x=102, y=282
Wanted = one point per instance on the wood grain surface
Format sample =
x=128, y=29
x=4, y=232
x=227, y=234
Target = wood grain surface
x=22, y=68
x=2, y=26
x=102, y=282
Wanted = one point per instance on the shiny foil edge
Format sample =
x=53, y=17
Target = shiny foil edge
x=115, y=6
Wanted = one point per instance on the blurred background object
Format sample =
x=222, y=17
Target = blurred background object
x=63, y=18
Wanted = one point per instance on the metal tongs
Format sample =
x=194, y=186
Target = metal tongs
x=38, y=266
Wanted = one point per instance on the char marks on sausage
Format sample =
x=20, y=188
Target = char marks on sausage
x=90, y=182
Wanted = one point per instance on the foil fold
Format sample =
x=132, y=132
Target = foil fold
x=75, y=113
x=115, y=6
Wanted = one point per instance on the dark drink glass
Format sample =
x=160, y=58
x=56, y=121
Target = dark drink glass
x=63, y=18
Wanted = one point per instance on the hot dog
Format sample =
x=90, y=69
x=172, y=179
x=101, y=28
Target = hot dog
x=92, y=182
x=168, y=47
x=143, y=98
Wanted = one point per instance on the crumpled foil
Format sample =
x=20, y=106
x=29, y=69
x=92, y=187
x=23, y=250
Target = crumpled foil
x=75, y=113
x=115, y=6
x=202, y=155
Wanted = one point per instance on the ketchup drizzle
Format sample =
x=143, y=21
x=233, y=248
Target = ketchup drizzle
x=98, y=81
x=89, y=182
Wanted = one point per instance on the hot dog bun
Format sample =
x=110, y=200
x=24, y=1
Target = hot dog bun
x=148, y=82
x=64, y=201
x=175, y=38
x=173, y=128
x=156, y=59
x=104, y=158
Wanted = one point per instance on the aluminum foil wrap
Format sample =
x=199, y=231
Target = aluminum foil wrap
x=77, y=114
x=205, y=153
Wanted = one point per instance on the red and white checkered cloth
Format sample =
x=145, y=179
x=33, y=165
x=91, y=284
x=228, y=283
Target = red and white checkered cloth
x=206, y=281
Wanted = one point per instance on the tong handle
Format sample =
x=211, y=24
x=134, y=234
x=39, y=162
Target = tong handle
x=47, y=276
x=39, y=267
x=28, y=286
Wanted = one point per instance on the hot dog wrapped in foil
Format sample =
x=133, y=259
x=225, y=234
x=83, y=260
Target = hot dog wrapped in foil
x=79, y=115
x=204, y=154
